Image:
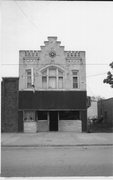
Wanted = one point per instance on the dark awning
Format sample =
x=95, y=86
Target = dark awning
x=45, y=100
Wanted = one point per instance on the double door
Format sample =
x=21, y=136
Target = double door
x=47, y=121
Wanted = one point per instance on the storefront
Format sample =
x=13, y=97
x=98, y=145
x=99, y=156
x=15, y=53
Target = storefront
x=49, y=94
x=44, y=121
x=49, y=111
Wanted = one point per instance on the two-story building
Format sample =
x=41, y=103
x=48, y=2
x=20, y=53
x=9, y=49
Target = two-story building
x=52, y=89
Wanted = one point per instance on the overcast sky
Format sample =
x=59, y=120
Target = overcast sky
x=86, y=26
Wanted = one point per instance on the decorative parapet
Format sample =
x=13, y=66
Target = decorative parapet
x=51, y=40
x=30, y=55
x=46, y=43
x=77, y=57
x=73, y=57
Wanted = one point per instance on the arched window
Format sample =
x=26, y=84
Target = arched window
x=52, y=78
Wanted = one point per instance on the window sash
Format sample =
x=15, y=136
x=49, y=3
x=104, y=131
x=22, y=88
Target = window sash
x=75, y=82
x=75, y=85
x=44, y=82
x=29, y=79
x=28, y=71
x=52, y=83
x=60, y=82
x=52, y=78
x=29, y=85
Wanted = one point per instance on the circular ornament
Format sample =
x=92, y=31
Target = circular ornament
x=52, y=54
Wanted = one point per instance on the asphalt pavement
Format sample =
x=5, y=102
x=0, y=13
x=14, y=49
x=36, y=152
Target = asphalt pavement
x=56, y=154
x=57, y=161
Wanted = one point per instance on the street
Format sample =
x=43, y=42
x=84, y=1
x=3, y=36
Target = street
x=57, y=161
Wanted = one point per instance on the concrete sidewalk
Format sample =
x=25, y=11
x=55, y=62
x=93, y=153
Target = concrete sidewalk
x=56, y=139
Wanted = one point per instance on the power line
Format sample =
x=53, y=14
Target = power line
x=38, y=28
x=26, y=15
x=90, y=90
x=89, y=76
x=96, y=75
x=55, y=64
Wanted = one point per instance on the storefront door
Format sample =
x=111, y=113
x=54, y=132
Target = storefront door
x=53, y=121
x=42, y=121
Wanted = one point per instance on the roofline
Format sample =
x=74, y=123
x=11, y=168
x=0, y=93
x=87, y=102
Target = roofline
x=106, y=99
x=52, y=37
x=10, y=77
x=109, y=98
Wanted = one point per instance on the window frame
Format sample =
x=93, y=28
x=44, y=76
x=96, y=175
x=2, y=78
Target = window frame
x=76, y=75
x=27, y=78
x=56, y=76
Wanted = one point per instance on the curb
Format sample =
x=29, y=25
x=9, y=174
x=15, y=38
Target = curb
x=49, y=145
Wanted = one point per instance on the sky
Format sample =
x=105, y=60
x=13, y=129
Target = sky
x=80, y=26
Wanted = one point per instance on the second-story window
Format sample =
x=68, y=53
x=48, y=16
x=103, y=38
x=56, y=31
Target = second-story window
x=52, y=78
x=29, y=78
x=44, y=79
x=60, y=79
x=75, y=79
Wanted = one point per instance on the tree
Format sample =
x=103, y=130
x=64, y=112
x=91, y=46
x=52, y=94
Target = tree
x=97, y=98
x=109, y=79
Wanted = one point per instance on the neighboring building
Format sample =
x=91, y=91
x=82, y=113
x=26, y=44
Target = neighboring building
x=105, y=110
x=9, y=104
x=52, y=91
x=93, y=109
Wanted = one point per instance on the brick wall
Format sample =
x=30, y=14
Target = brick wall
x=9, y=103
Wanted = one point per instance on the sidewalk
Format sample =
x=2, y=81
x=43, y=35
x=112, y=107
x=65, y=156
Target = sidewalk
x=56, y=139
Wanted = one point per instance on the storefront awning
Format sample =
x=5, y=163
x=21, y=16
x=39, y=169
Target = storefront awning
x=52, y=100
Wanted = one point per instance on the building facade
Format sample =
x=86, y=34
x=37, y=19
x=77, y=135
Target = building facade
x=105, y=110
x=52, y=89
x=92, y=111
x=9, y=104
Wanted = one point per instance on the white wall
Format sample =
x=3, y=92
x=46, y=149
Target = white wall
x=67, y=60
x=92, y=110
x=70, y=125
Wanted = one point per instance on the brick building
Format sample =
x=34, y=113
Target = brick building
x=9, y=104
x=50, y=94
x=105, y=110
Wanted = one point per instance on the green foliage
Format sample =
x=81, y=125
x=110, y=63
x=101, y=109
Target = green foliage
x=109, y=79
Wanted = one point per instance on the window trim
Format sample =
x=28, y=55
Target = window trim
x=31, y=77
x=78, y=79
x=54, y=76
